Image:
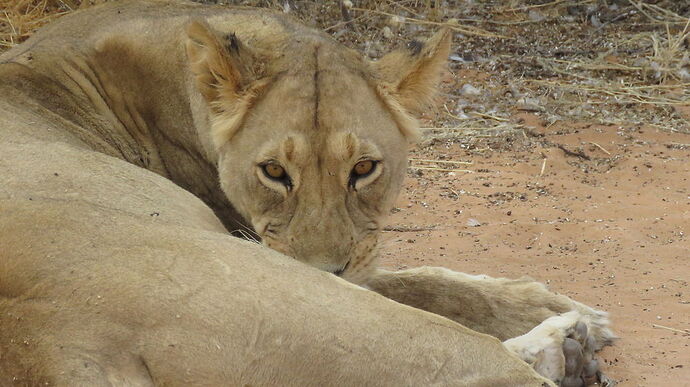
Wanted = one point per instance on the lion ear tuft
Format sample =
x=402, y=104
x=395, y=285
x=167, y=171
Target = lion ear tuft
x=226, y=73
x=411, y=74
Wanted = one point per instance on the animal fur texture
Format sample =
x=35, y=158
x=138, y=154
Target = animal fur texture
x=135, y=135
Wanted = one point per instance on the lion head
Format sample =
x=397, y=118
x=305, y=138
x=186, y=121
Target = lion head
x=312, y=138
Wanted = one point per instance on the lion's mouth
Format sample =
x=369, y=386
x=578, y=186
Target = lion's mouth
x=341, y=271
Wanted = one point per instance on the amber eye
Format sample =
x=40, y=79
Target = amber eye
x=363, y=168
x=274, y=171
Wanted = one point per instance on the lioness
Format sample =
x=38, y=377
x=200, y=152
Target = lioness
x=110, y=273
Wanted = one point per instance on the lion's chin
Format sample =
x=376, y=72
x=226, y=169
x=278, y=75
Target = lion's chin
x=359, y=274
x=358, y=270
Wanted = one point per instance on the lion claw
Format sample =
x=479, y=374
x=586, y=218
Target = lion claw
x=562, y=348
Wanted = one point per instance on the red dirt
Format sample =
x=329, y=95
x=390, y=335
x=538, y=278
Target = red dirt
x=611, y=232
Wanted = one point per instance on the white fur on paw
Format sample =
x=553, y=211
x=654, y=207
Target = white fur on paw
x=598, y=323
x=562, y=347
x=542, y=347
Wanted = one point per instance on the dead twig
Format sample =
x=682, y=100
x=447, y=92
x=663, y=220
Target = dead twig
x=543, y=167
x=441, y=161
x=568, y=152
x=618, y=18
x=489, y=116
x=345, y=12
x=681, y=331
x=535, y=6
x=600, y=147
x=441, y=169
x=404, y=228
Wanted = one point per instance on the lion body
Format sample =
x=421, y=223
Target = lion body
x=116, y=266
x=112, y=274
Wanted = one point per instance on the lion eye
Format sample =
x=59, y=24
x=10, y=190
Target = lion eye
x=363, y=168
x=274, y=171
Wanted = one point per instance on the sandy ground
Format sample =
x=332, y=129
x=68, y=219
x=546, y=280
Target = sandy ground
x=611, y=231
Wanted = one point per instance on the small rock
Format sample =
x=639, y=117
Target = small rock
x=529, y=104
x=471, y=222
x=396, y=21
x=468, y=89
x=640, y=62
x=594, y=19
x=535, y=16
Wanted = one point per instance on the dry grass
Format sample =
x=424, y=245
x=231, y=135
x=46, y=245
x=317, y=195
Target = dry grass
x=578, y=60
x=20, y=18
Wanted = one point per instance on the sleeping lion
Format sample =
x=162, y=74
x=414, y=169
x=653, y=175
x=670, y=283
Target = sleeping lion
x=135, y=135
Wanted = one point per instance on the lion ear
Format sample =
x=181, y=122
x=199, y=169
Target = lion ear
x=227, y=73
x=411, y=75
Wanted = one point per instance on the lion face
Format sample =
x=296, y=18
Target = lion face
x=324, y=168
x=312, y=154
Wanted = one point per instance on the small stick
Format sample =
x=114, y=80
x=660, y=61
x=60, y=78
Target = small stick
x=344, y=11
x=527, y=7
x=474, y=128
x=9, y=21
x=451, y=114
x=442, y=161
x=573, y=153
x=543, y=166
x=500, y=119
x=639, y=8
x=620, y=17
x=442, y=169
x=600, y=147
x=685, y=332
x=403, y=228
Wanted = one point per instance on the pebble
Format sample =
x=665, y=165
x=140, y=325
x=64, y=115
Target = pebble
x=471, y=222
x=468, y=89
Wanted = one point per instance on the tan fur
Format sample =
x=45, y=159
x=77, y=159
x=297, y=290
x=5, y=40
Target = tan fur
x=132, y=137
x=340, y=107
x=418, y=65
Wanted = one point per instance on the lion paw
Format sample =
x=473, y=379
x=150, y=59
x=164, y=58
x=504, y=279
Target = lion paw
x=562, y=347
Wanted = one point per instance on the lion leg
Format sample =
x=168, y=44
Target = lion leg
x=542, y=327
